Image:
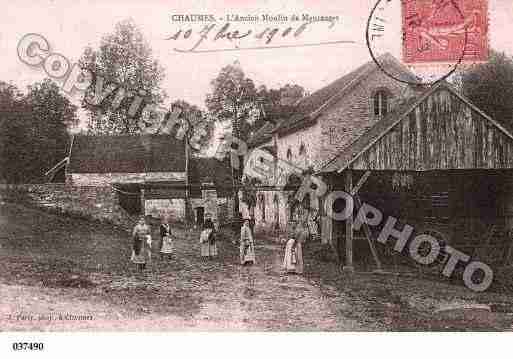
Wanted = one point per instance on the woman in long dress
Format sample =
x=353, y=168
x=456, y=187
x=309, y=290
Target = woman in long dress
x=167, y=239
x=247, y=245
x=141, y=249
x=208, y=243
x=293, y=260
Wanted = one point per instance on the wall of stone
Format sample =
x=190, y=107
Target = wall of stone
x=103, y=179
x=91, y=202
x=218, y=209
x=348, y=119
x=341, y=124
x=173, y=209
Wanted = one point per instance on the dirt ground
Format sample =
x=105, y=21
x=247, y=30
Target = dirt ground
x=59, y=273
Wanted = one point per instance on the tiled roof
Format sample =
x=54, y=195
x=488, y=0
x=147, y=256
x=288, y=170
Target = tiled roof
x=306, y=110
x=126, y=154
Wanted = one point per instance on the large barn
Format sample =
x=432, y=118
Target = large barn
x=150, y=174
x=438, y=164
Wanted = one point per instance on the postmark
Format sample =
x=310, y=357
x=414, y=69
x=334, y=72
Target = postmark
x=434, y=37
x=444, y=31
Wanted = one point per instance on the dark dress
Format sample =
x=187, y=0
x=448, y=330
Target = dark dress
x=167, y=239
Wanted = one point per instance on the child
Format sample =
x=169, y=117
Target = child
x=167, y=240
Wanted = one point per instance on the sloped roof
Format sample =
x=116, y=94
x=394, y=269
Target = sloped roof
x=262, y=135
x=210, y=169
x=126, y=154
x=308, y=108
x=352, y=152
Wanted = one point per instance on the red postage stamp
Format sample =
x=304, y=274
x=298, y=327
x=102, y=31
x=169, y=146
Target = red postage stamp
x=445, y=31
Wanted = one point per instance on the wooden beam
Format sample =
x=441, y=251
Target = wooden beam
x=349, y=226
x=329, y=227
x=143, y=211
x=360, y=183
x=368, y=235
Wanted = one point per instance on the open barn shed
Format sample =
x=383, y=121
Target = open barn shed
x=437, y=163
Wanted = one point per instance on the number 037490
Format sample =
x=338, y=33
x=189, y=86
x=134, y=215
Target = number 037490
x=17, y=346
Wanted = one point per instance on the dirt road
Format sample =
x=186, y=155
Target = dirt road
x=66, y=274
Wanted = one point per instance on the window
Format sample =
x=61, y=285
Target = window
x=302, y=149
x=331, y=135
x=381, y=100
x=289, y=154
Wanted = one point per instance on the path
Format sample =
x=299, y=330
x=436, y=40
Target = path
x=47, y=271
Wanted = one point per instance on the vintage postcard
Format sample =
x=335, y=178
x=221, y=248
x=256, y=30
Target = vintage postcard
x=256, y=166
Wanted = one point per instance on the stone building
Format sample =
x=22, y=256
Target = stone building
x=322, y=125
x=149, y=174
x=427, y=159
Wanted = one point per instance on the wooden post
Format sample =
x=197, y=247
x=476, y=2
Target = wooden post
x=328, y=229
x=368, y=235
x=349, y=227
x=187, y=213
x=142, y=202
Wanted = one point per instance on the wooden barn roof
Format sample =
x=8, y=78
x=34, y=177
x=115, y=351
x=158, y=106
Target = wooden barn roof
x=126, y=154
x=485, y=138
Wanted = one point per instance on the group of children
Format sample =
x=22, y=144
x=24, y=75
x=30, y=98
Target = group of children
x=142, y=244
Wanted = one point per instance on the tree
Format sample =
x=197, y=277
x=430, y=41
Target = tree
x=200, y=125
x=33, y=131
x=490, y=87
x=12, y=122
x=234, y=99
x=278, y=103
x=123, y=67
x=249, y=193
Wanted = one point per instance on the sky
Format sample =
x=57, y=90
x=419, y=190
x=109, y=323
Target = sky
x=71, y=26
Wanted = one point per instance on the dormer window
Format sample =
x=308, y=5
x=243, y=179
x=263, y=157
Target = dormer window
x=381, y=103
x=289, y=154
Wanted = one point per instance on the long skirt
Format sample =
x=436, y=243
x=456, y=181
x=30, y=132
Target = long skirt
x=167, y=245
x=293, y=260
x=208, y=249
x=144, y=255
x=247, y=254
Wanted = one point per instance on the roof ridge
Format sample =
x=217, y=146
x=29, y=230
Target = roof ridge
x=340, y=87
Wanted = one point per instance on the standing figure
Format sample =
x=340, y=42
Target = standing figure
x=247, y=246
x=293, y=260
x=141, y=249
x=208, y=240
x=167, y=239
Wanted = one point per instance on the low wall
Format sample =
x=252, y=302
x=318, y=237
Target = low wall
x=93, y=203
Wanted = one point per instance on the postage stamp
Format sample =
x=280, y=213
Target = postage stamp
x=445, y=31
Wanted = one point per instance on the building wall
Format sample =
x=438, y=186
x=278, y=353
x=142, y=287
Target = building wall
x=353, y=115
x=103, y=179
x=174, y=209
x=310, y=137
x=342, y=123
x=443, y=132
